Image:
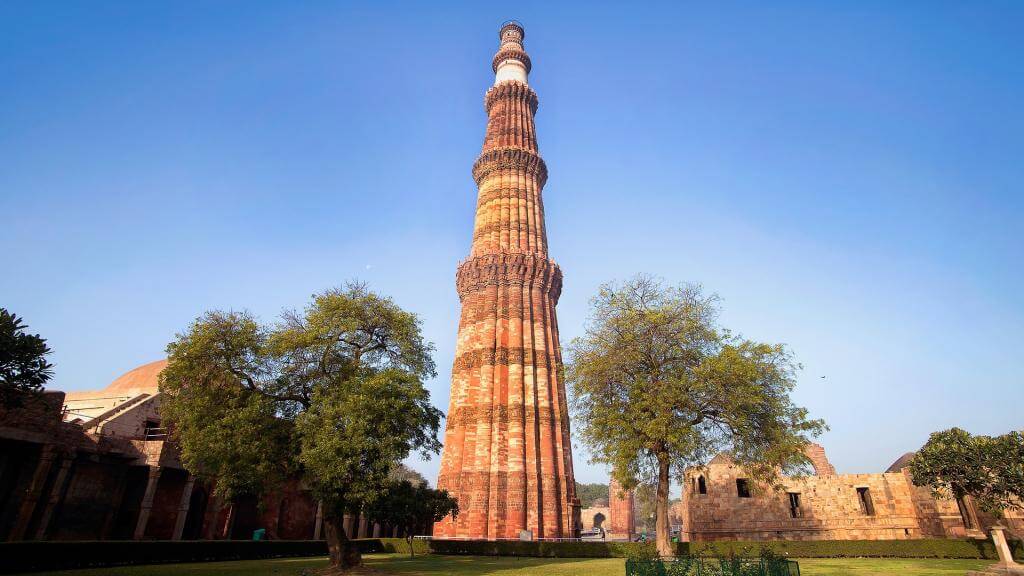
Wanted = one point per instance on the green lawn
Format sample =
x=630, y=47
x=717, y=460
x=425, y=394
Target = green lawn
x=874, y=566
x=434, y=565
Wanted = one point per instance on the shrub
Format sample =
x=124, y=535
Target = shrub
x=541, y=549
x=931, y=548
x=399, y=545
x=926, y=548
x=35, y=556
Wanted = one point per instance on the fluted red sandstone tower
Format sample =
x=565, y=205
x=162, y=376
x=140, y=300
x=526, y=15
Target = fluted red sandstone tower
x=507, y=456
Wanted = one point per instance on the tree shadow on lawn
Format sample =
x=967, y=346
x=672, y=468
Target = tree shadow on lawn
x=436, y=564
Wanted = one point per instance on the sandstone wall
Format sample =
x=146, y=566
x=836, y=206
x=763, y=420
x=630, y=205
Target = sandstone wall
x=621, y=522
x=829, y=508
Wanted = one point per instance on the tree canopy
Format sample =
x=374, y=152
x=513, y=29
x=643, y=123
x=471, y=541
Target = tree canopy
x=589, y=494
x=658, y=386
x=23, y=364
x=954, y=463
x=410, y=505
x=402, y=472
x=333, y=393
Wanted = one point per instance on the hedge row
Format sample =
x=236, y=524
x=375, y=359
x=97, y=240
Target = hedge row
x=399, y=545
x=932, y=548
x=34, y=556
x=928, y=548
x=542, y=549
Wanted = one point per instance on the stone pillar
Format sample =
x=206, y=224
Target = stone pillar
x=183, y=505
x=363, y=523
x=35, y=488
x=229, y=523
x=56, y=494
x=376, y=529
x=972, y=512
x=394, y=532
x=147, y=502
x=1005, y=556
x=347, y=524
x=319, y=520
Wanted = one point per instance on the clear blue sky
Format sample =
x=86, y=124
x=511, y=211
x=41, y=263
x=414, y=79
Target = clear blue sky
x=847, y=176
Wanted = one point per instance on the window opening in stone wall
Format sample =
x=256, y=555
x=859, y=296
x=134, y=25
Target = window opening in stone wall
x=794, y=505
x=742, y=488
x=702, y=486
x=964, y=514
x=866, y=506
x=151, y=430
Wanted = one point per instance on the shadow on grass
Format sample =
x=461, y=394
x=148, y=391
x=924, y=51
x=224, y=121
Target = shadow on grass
x=435, y=564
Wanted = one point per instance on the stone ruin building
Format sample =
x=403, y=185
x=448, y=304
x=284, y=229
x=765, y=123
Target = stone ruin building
x=98, y=466
x=720, y=503
x=615, y=516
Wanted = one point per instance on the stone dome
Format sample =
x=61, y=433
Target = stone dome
x=141, y=380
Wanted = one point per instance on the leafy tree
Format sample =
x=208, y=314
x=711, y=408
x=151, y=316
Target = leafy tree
x=988, y=469
x=402, y=472
x=333, y=394
x=645, y=507
x=411, y=506
x=23, y=365
x=589, y=494
x=657, y=386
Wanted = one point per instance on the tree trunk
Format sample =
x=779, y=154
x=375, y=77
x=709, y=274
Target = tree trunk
x=343, y=552
x=661, y=527
x=408, y=538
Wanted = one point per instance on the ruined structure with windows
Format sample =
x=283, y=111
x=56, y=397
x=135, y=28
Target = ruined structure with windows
x=721, y=503
x=98, y=465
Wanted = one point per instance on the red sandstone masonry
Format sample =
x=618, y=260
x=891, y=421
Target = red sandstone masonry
x=507, y=455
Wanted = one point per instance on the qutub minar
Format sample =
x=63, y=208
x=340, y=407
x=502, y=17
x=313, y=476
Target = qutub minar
x=507, y=455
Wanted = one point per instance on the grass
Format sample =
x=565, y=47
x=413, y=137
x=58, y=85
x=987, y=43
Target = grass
x=276, y=566
x=878, y=566
x=435, y=565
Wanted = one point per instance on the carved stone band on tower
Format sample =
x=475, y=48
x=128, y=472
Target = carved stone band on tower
x=507, y=455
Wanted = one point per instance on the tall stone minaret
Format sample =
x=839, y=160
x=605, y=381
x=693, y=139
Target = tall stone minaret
x=507, y=454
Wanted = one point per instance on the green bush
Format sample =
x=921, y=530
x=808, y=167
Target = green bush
x=689, y=566
x=35, y=556
x=541, y=549
x=400, y=546
x=931, y=548
x=928, y=548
